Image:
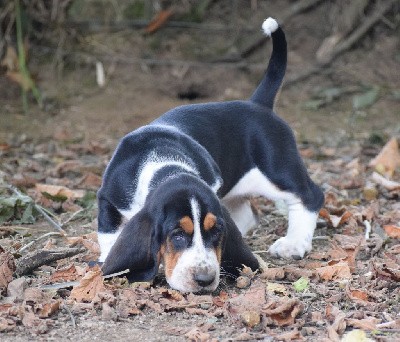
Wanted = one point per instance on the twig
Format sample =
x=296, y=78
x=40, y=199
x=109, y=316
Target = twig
x=58, y=286
x=40, y=210
x=53, y=223
x=321, y=237
x=66, y=308
x=73, y=216
x=386, y=324
x=116, y=274
x=36, y=240
x=74, y=283
x=95, y=25
x=39, y=258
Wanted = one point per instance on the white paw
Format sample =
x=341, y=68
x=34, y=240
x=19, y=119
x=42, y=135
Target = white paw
x=286, y=247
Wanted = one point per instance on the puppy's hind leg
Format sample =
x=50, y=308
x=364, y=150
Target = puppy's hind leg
x=298, y=239
x=303, y=199
x=241, y=213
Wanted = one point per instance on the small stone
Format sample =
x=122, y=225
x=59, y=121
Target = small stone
x=250, y=318
x=242, y=282
x=16, y=288
x=370, y=192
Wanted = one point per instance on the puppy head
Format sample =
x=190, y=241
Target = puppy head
x=192, y=248
x=181, y=226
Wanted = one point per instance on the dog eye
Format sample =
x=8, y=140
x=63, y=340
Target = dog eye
x=179, y=239
x=215, y=233
x=178, y=236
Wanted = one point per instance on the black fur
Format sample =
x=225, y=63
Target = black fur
x=141, y=238
x=219, y=142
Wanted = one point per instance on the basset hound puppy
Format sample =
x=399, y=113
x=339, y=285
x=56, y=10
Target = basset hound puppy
x=176, y=190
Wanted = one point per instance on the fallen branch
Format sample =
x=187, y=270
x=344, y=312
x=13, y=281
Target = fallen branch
x=344, y=45
x=66, y=308
x=36, y=240
x=32, y=261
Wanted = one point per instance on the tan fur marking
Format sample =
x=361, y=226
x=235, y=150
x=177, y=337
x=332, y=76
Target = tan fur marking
x=170, y=258
x=218, y=252
x=187, y=225
x=209, y=221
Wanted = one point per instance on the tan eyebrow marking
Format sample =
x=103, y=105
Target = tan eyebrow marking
x=209, y=221
x=187, y=225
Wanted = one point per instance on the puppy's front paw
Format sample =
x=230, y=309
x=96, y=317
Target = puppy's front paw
x=286, y=247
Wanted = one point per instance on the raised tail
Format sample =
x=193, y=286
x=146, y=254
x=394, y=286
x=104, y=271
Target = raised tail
x=268, y=88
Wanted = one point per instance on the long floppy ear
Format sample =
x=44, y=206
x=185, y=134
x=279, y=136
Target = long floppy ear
x=135, y=249
x=235, y=251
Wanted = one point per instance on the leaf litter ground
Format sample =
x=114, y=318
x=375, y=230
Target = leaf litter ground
x=346, y=288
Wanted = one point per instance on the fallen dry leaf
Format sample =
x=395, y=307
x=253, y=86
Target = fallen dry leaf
x=250, y=300
x=127, y=303
x=59, y=191
x=275, y=273
x=335, y=220
x=49, y=308
x=89, y=241
x=387, y=269
x=90, y=181
x=7, y=324
x=220, y=299
x=251, y=318
x=386, y=183
x=66, y=274
x=388, y=159
x=160, y=19
x=89, y=286
x=276, y=288
x=171, y=294
x=392, y=231
x=336, y=252
x=10, y=59
x=33, y=295
x=282, y=312
x=348, y=249
x=339, y=323
x=338, y=271
x=7, y=268
x=358, y=295
x=369, y=323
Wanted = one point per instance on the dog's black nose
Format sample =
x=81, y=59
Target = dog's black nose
x=204, y=279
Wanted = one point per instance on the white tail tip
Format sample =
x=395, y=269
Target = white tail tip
x=269, y=26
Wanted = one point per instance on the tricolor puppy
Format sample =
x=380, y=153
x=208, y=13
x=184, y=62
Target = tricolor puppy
x=176, y=191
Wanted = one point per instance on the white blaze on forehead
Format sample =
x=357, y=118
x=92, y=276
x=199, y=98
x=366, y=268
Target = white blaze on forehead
x=196, y=215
